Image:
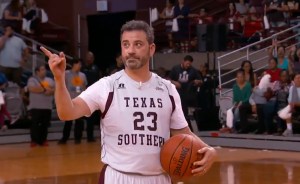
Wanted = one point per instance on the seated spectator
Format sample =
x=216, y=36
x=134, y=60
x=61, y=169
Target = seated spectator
x=168, y=14
x=292, y=6
x=275, y=13
x=241, y=95
x=13, y=15
x=3, y=81
x=294, y=102
x=33, y=16
x=294, y=57
x=250, y=76
x=282, y=59
x=273, y=70
x=281, y=89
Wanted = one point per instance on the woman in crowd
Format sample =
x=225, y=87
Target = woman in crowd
x=13, y=15
x=249, y=73
x=273, y=70
x=168, y=14
x=241, y=95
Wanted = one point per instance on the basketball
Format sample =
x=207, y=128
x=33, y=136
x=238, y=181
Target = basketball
x=178, y=155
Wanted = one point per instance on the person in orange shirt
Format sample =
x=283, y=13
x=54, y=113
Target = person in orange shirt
x=76, y=83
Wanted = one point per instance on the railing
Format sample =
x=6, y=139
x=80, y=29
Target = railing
x=34, y=46
x=256, y=52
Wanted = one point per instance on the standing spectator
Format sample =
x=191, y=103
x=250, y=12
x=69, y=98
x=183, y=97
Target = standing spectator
x=41, y=91
x=242, y=7
x=186, y=80
x=92, y=74
x=13, y=15
x=241, y=95
x=249, y=74
x=205, y=95
x=76, y=82
x=13, y=54
x=181, y=12
x=117, y=66
x=281, y=89
x=168, y=14
x=294, y=102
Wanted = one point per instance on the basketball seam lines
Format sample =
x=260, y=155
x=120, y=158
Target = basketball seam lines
x=190, y=156
x=174, y=153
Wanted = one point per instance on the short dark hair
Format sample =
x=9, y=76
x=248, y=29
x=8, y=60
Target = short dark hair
x=37, y=68
x=75, y=61
x=274, y=58
x=138, y=25
x=240, y=71
x=188, y=58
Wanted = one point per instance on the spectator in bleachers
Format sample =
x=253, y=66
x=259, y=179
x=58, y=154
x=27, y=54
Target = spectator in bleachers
x=281, y=89
x=282, y=59
x=241, y=95
x=168, y=15
x=13, y=54
x=181, y=12
x=273, y=70
x=234, y=18
x=76, y=82
x=294, y=102
x=41, y=91
x=275, y=13
x=249, y=73
x=32, y=15
x=93, y=75
x=186, y=80
x=13, y=14
x=3, y=81
x=257, y=101
x=294, y=57
x=242, y=7
x=292, y=6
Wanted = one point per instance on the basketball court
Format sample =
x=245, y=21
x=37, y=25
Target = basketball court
x=80, y=164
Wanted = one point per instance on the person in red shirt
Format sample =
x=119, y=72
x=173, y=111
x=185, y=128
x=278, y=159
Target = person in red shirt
x=273, y=70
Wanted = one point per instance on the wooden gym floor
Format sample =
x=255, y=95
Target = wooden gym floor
x=80, y=164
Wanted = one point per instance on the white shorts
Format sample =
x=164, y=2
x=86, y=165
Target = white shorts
x=112, y=176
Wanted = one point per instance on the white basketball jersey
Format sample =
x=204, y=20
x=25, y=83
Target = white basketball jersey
x=136, y=120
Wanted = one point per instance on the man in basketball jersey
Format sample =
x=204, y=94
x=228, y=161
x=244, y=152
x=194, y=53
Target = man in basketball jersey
x=139, y=112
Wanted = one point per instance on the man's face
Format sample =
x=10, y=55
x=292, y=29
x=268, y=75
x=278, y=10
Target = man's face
x=186, y=64
x=42, y=72
x=89, y=59
x=77, y=67
x=136, y=51
x=9, y=31
x=297, y=80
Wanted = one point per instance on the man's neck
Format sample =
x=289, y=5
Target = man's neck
x=139, y=75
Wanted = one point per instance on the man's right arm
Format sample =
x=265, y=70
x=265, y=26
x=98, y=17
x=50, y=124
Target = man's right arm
x=67, y=108
x=2, y=41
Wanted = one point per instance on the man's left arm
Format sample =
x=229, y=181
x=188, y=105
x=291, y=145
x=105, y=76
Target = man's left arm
x=209, y=153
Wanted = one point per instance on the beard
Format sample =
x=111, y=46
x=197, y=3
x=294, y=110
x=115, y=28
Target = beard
x=134, y=62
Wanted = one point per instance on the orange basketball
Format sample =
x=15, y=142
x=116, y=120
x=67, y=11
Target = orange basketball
x=178, y=155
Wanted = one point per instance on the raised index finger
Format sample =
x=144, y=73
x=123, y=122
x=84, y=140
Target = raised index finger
x=46, y=51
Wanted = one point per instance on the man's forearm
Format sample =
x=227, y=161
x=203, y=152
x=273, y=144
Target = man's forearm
x=63, y=100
